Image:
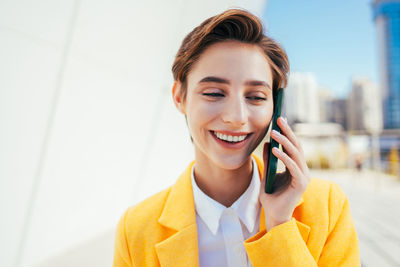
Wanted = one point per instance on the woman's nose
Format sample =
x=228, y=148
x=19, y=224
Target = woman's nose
x=235, y=112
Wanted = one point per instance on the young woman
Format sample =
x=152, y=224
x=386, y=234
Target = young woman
x=217, y=213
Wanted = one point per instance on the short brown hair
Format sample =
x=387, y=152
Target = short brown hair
x=232, y=24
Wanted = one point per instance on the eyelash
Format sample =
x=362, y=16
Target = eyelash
x=213, y=94
x=256, y=98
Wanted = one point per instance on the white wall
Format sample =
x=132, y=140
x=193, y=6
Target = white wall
x=85, y=113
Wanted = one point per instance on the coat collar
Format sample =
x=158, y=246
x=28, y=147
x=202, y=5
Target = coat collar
x=179, y=214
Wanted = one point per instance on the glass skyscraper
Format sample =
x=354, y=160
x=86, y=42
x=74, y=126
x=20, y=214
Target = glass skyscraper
x=387, y=20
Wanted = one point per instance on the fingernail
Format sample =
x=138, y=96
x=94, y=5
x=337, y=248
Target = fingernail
x=276, y=150
x=275, y=132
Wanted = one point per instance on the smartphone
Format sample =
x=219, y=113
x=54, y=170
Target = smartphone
x=272, y=160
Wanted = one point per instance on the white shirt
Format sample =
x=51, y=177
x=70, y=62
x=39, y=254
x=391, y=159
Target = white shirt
x=221, y=231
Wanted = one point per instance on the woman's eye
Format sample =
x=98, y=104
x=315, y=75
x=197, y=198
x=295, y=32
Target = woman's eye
x=257, y=98
x=213, y=94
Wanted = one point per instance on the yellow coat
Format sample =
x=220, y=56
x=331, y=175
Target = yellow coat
x=161, y=230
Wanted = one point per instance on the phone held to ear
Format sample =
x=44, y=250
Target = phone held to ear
x=272, y=160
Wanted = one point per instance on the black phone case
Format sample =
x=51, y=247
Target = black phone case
x=272, y=160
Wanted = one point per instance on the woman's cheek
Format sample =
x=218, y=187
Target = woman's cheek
x=201, y=114
x=262, y=117
x=208, y=114
x=211, y=109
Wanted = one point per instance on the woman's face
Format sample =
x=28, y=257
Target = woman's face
x=229, y=96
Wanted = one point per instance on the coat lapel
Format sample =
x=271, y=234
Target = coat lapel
x=179, y=214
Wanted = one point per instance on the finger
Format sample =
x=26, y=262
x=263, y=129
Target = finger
x=290, y=149
x=287, y=131
x=289, y=163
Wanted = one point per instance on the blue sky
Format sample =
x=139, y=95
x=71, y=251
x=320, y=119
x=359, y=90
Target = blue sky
x=335, y=40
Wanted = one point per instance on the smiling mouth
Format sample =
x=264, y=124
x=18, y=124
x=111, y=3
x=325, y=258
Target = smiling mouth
x=232, y=139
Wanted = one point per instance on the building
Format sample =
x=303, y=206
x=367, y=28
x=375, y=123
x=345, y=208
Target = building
x=325, y=98
x=339, y=112
x=386, y=14
x=301, y=103
x=364, y=106
x=332, y=109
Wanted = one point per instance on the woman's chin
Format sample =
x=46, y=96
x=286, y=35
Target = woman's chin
x=233, y=162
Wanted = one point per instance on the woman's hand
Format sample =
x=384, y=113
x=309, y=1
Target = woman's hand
x=279, y=206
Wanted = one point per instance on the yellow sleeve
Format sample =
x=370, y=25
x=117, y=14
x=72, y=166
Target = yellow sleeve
x=341, y=247
x=284, y=245
x=121, y=252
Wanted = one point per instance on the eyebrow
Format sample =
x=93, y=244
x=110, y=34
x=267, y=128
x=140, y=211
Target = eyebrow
x=213, y=79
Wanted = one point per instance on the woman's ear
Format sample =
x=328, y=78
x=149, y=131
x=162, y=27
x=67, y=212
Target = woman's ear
x=177, y=97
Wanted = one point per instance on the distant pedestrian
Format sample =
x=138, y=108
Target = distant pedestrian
x=358, y=162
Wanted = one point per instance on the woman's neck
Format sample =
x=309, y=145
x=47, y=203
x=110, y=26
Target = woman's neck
x=223, y=185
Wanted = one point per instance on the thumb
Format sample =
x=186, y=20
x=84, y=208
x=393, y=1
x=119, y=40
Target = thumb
x=265, y=158
x=266, y=153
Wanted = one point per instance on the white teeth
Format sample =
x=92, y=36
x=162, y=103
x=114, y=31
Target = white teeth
x=230, y=138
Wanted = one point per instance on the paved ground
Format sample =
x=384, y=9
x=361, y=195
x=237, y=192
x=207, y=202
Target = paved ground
x=375, y=206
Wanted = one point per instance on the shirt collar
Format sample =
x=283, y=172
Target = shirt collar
x=246, y=207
